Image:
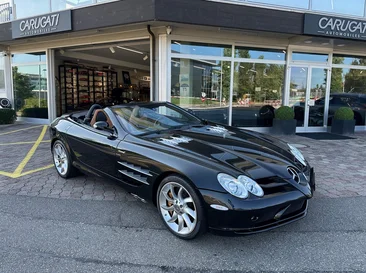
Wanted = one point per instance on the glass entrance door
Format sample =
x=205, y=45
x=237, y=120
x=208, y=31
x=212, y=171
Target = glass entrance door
x=308, y=89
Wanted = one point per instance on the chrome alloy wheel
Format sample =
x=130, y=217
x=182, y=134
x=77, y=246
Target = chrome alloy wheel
x=60, y=158
x=177, y=208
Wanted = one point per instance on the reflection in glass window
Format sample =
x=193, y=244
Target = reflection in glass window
x=258, y=91
x=29, y=58
x=301, y=4
x=349, y=60
x=30, y=86
x=202, y=86
x=309, y=57
x=62, y=4
x=201, y=49
x=265, y=54
x=348, y=88
x=351, y=7
x=29, y=8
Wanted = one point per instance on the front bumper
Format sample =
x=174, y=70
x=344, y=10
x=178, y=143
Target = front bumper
x=256, y=214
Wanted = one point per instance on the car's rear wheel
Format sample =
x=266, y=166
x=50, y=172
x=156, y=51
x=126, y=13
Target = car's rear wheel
x=180, y=208
x=62, y=160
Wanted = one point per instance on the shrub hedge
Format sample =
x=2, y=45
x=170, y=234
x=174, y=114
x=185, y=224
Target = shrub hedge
x=7, y=116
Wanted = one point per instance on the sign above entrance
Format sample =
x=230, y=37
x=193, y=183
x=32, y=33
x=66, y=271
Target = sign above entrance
x=337, y=27
x=40, y=25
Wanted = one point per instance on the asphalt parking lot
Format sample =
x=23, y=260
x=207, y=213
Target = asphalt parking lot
x=26, y=167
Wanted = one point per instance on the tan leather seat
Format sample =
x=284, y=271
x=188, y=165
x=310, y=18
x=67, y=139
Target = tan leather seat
x=100, y=115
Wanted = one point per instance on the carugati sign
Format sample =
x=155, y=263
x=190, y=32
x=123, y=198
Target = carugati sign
x=43, y=24
x=334, y=27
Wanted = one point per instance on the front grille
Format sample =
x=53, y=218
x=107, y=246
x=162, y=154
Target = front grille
x=274, y=185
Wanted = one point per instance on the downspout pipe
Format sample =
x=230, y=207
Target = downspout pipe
x=153, y=74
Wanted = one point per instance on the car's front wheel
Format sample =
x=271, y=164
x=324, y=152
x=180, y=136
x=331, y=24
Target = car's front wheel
x=62, y=160
x=180, y=208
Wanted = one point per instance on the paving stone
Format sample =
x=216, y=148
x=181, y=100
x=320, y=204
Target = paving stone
x=339, y=165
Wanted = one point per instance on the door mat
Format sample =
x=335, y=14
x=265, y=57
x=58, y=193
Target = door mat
x=324, y=136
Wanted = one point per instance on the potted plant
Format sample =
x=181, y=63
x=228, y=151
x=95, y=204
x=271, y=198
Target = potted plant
x=343, y=121
x=284, y=122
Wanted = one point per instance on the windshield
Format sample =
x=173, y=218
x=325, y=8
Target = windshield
x=150, y=118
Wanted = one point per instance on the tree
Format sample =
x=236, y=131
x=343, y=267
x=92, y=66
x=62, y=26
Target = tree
x=22, y=87
x=336, y=84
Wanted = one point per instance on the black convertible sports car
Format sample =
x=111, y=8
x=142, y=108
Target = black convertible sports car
x=199, y=174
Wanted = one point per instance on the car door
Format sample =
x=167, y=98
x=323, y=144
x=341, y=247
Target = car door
x=93, y=148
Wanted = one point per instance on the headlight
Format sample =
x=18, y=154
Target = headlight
x=239, y=187
x=297, y=154
x=251, y=186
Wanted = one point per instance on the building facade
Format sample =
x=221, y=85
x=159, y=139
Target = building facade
x=232, y=62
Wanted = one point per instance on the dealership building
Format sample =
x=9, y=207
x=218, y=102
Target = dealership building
x=229, y=61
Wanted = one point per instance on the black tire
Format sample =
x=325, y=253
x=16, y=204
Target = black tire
x=200, y=225
x=71, y=170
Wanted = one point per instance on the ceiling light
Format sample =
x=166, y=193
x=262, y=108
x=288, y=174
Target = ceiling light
x=145, y=57
x=284, y=51
x=62, y=51
x=132, y=50
x=199, y=67
x=308, y=42
x=341, y=45
x=324, y=43
x=177, y=43
x=112, y=49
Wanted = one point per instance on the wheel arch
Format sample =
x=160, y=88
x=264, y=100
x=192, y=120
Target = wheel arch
x=164, y=175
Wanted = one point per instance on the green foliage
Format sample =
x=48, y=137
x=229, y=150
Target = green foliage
x=284, y=113
x=7, y=116
x=344, y=113
x=35, y=102
x=22, y=85
x=35, y=112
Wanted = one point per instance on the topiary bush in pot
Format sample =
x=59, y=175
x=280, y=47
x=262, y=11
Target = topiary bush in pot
x=343, y=122
x=7, y=116
x=284, y=122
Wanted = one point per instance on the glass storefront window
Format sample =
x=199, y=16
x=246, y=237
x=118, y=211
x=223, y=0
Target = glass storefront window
x=265, y=54
x=351, y=7
x=29, y=8
x=349, y=60
x=30, y=86
x=309, y=57
x=258, y=91
x=201, y=49
x=348, y=88
x=301, y=4
x=29, y=58
x=202, y=86
x=57, y=5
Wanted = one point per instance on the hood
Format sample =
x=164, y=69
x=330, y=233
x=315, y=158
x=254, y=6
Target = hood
x=245, y=152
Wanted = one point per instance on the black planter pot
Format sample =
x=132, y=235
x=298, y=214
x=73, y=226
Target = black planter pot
x=284, y=127
x=343, y=127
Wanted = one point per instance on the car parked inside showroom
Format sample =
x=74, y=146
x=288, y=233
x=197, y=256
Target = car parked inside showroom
x=200, y=175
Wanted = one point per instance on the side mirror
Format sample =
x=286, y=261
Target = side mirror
x=101, y=125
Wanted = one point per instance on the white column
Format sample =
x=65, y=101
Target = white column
x=51, y=86
x=163, y=90
x=8, y=75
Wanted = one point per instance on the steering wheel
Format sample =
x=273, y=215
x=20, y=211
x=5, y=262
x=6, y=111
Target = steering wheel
x=88, y=116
